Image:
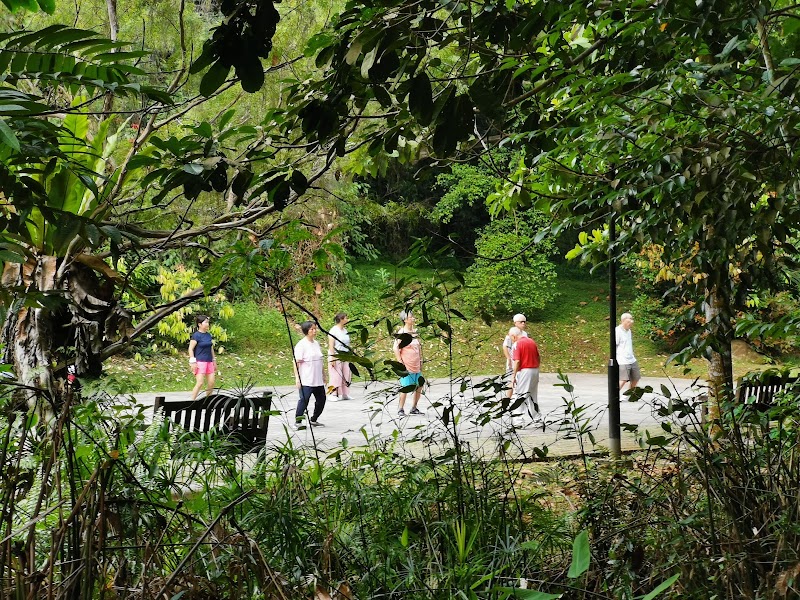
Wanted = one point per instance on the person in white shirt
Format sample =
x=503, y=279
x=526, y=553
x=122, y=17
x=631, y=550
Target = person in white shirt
x=309, y=374
x=520, y=322
x=339, y=373
x=629, y=370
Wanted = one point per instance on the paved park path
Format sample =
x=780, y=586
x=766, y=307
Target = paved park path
x=372, y=413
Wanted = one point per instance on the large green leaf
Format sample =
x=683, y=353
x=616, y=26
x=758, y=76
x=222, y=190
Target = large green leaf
x=581, y=555
x=420, y=99
x=7, y=136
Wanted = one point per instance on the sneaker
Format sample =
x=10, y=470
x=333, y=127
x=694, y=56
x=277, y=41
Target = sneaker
x=316, y=423
x=346, y=398
x=415, y=411
x=401, y=413
x=333, y=398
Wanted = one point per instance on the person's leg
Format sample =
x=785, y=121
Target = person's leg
x=405, y=381
x=624, y=375
x=533, y=395
x=198, y=377
x=212, y=378
x=302, y=403
x=636, y=374
x=319, y=401
x=347, y=377
x=418, y=391
x=522, y=392
x=335, y=378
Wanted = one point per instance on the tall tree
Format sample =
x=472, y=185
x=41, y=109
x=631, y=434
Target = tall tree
x=679, y=116
x=82, y=188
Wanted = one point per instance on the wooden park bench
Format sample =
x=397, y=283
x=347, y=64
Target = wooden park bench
x=242, y=417
x=760, y=389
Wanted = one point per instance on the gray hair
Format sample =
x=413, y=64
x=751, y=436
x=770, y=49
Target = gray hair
x=626, y=316
x=515, y=331
x=404, y=314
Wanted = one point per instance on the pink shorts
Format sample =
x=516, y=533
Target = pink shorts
x=204, y=368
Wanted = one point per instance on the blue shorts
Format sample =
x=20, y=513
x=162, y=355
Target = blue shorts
x=411, y=379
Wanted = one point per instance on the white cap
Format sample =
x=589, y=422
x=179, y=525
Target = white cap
x=519, y=317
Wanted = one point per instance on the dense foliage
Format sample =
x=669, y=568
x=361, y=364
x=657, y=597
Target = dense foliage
x=512, y=272
x=677, y=119
x=110, y=505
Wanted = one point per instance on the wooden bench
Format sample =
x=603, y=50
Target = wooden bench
x=759, y=389
x=242, y=417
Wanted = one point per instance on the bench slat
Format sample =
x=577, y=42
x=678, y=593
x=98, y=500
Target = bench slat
x=246, y=418
x=763, y=389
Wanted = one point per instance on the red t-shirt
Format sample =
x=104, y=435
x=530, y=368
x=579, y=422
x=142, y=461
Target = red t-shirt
x=527, y=353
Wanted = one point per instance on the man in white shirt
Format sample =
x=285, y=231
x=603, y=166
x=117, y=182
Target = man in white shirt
x=628, y=366
x=520, y=322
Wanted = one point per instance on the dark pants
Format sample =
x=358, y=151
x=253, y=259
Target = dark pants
x=306, y=391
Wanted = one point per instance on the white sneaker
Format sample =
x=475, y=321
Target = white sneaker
x=333, y=398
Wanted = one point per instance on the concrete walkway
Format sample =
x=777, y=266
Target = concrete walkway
x=372, y=414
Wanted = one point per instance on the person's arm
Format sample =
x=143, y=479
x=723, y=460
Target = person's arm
x=298, y=358
x=192, y=344
x=331, y=347
x=324, y=371
x=396, y=348
x=514, y=375
x=213, y=353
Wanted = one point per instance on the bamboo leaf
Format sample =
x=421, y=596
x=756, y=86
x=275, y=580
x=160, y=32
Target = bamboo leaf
x=662, y=587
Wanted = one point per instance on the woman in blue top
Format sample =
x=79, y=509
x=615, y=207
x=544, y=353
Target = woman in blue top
x=201, y=356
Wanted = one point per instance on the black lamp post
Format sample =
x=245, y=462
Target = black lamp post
x=614, y=438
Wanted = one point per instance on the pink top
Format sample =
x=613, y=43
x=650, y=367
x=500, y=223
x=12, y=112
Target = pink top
x=308, y=355
x=410, y=355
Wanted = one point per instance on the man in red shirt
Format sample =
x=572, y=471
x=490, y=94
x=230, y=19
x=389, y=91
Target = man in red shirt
x=525, y=378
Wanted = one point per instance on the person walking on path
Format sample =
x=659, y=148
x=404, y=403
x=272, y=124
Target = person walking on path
x=309, y=374
x=525, y=377
x=339, y=374
x=629, y=370
x=408, y=351
x=520, y=322
x=202, y=359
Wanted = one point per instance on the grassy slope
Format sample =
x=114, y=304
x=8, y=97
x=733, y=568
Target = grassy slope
x=572, y=334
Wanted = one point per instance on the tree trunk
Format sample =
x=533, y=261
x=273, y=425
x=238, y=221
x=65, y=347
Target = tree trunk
x=113, y=27
x=720, y=361
x=27, y=331
x=41, y=341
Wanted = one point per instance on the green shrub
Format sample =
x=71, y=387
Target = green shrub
x=172, y=333
x=661, y=322
x=512, y=273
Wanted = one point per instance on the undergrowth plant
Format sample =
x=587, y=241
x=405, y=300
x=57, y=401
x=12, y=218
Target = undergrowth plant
x=101, y=501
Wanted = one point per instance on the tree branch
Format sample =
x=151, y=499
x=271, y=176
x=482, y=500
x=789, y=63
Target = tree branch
x=155, y=318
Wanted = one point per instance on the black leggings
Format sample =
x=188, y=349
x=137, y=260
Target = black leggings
x=306, y=391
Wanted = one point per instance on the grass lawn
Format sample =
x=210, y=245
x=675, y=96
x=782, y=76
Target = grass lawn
x=572, y=333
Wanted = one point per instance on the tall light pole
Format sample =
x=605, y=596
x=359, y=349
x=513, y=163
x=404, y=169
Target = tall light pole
x=614, y=438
